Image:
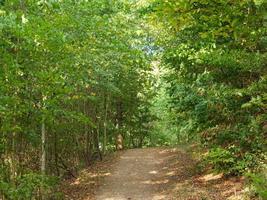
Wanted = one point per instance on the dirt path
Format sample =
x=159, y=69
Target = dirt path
x=135, y=176
x=151, y=174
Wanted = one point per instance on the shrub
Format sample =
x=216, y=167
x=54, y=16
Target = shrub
x=29, y=186
x=259, y=184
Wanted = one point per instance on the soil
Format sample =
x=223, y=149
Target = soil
x=151, y=174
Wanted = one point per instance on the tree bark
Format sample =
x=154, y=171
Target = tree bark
x=43, y=152
x=105, y=126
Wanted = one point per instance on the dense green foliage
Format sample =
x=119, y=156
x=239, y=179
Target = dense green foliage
x=75, y=74
x=71, y=77
x=216, y=52
x=259, y=184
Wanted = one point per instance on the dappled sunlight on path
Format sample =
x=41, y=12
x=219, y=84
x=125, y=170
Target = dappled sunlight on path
x=135, y=176
x=151, y=174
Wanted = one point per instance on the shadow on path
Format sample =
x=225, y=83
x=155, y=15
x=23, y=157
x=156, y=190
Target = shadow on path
x=151, y=174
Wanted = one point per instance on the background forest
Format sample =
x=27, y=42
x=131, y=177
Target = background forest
x=75, y=74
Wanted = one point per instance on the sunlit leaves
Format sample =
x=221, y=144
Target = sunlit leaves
x=216, y=51
x=73, y=66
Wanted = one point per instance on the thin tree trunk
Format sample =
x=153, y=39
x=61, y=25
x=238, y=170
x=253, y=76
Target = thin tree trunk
x=105, y=126
x=87, y=148
x=86, y=132
x=13, y=159
x=43, y=155
x=98, y=141
x=43, y=152
x=56, y=154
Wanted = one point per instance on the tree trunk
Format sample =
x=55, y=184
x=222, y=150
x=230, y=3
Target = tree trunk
x=56, y=154
x=105, y=126
x=43, y=152
x=98, y=141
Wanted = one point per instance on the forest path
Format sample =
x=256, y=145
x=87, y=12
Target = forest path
x=151, y=174
x=135, y=176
